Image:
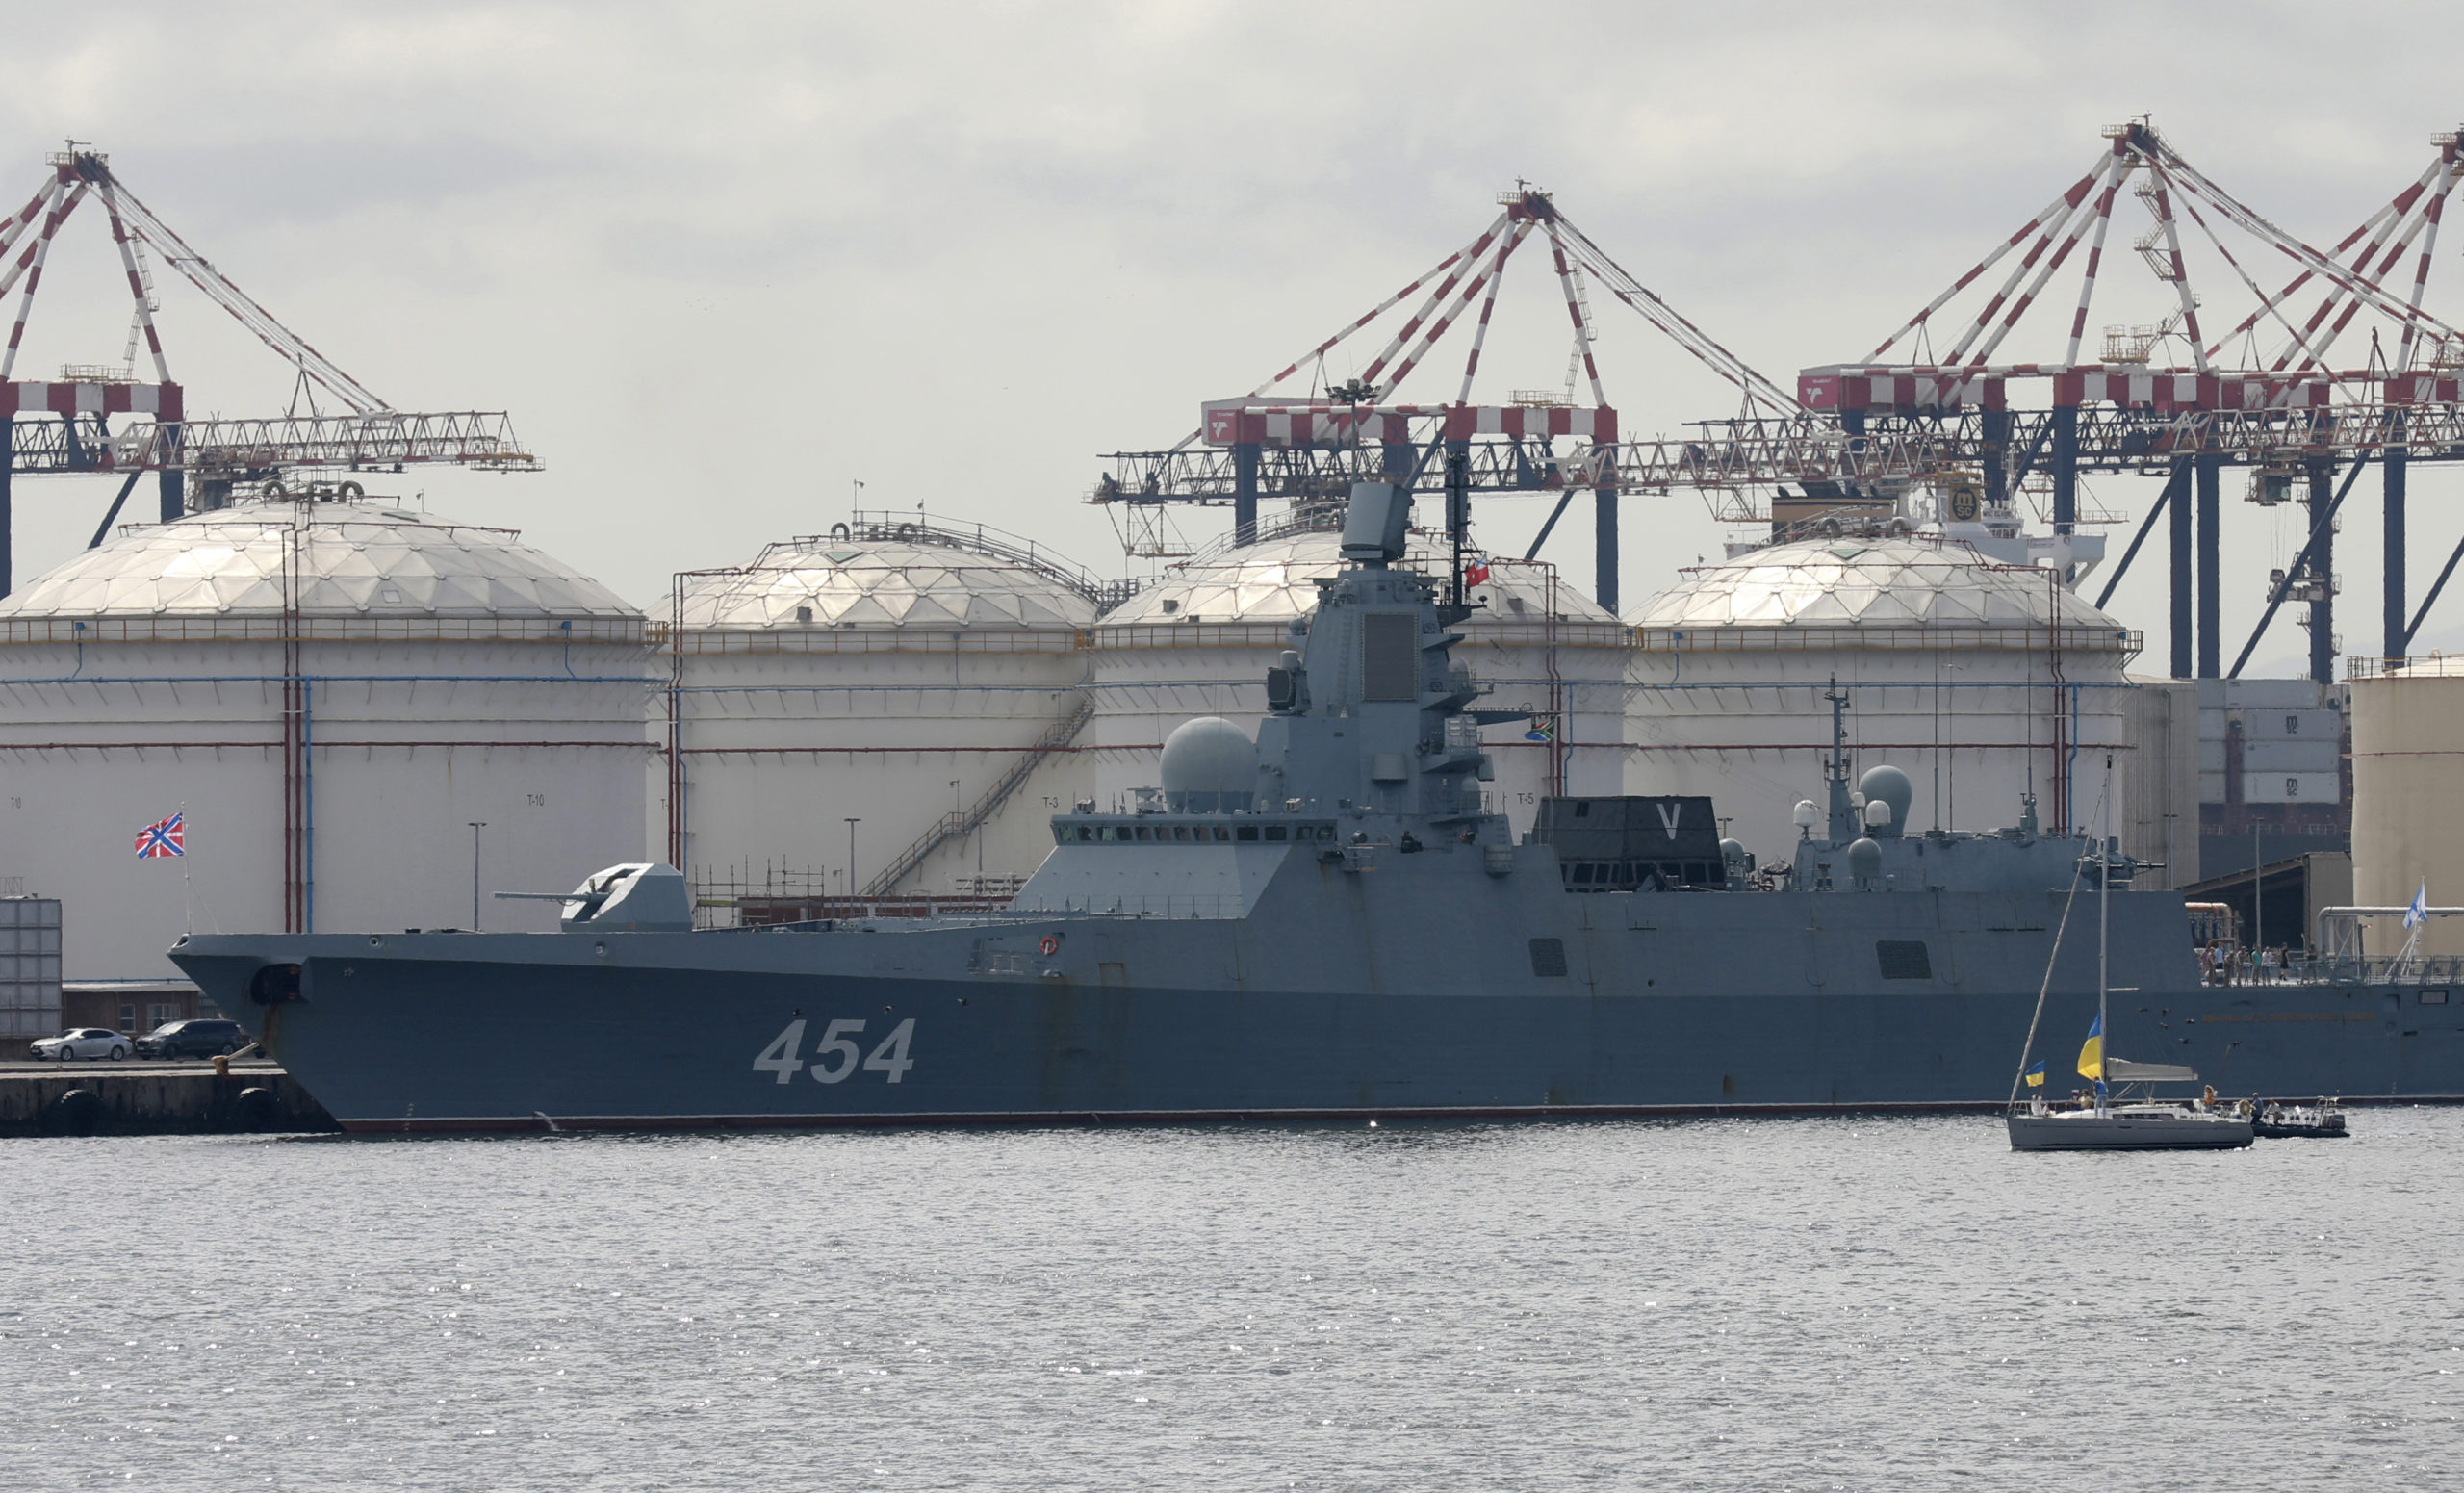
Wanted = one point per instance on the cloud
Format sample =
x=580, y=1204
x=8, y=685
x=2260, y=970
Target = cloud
x=722, y=260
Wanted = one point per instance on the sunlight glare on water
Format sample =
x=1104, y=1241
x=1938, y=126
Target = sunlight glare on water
x=1807, y=1303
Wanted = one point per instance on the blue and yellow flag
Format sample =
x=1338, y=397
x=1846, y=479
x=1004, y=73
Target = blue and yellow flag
x=2092, y=1055
x=2036, y=1076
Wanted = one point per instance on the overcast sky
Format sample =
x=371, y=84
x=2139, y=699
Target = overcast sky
x=722, y=262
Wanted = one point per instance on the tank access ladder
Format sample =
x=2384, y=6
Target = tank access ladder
x=955, y=825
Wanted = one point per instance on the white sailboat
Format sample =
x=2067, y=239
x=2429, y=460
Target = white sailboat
x=2133, y=1118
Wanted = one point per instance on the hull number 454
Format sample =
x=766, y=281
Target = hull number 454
x=834, y=1056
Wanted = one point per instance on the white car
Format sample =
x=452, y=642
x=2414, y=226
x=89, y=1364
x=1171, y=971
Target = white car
x=84, y=1041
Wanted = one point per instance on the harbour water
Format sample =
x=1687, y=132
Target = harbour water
x=1802, y=1303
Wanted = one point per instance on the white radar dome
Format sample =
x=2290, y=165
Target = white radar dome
x=1889, y=787
x=1209, y=763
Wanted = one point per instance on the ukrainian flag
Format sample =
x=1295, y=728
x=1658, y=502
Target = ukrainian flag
x=2036, y=1076
x=2092, y=1055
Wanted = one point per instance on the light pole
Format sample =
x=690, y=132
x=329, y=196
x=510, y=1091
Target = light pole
x=477, y=825
x=851, y=855
x=958, y=816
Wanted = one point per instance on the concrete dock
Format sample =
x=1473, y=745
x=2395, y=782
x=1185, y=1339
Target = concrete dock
x=154, y=1099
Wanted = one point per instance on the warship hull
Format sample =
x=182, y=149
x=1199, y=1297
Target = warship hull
x=1328, y=920
x=1338, y=994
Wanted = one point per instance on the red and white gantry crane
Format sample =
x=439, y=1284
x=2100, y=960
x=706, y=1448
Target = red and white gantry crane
x=105, y=419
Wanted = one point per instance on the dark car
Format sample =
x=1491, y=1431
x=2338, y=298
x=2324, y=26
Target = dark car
x=202, y=1038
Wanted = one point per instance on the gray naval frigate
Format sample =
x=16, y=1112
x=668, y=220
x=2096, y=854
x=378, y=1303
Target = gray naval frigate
x=1329, y=922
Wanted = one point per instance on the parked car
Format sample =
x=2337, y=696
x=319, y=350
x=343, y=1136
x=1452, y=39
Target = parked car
x=198, y=1038
x=82, y=1041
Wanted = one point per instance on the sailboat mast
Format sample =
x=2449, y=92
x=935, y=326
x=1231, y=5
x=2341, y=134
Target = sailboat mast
x=2104, y=931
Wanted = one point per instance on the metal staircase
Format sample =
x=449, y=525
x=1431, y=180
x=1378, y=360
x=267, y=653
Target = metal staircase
x=955, y=825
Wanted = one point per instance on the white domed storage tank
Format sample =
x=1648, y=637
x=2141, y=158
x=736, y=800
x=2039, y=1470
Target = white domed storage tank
x=860, y=674
x=1980, y=681
x=330, y=692
x=1199, y=642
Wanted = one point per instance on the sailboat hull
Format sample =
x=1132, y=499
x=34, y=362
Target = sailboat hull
x=2086, y=1132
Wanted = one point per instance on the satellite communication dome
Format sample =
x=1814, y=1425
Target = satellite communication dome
x=1209, y=763
x=1890, y=786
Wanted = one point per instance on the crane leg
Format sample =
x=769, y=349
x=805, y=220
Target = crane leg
x=7, y=460
x=2429, y=597
x=1605, y=575
x=2391, y=474
x=2185, y=597
x=111, y=515
x=2065, y=469
x=1244, y=491
x=1997, y=441
x=2323, y=567
x=2211, y=581
x=1549, y=527
x=1458, y=493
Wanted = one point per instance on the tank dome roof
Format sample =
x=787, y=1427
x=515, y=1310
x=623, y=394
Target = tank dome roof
x=874, y=580
x=354, y=559
x=1875, y=582
x=1275, y=580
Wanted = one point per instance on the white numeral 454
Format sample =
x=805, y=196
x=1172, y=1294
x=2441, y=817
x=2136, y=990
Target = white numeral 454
x=890, y=1057
x=780, y=1056
x=836, y=1057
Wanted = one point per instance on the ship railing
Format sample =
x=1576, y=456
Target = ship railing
x=722, y=915
x=1190, y=906
x=2337, y=968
